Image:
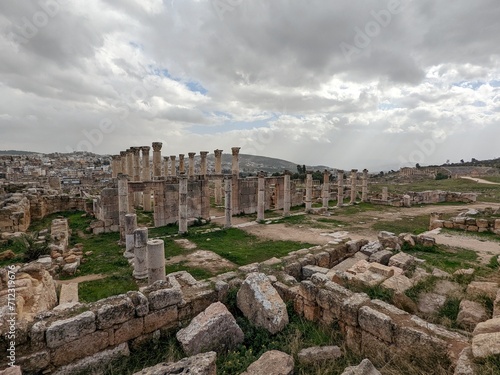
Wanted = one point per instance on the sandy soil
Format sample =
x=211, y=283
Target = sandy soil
x=207, y=260
x=82, y=279
x=480, y=180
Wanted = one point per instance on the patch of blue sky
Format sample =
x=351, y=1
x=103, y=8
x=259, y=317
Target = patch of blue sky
x=387, y=106
x=495, y=83
x=191, y=85
x=479, y=103
x=474, y=85
x=196, y=87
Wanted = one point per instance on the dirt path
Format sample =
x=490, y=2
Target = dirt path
x=484, y=249
x=82, y=279
x=480, y=180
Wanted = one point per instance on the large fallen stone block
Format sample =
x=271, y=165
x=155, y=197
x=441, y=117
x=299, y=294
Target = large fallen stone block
x=214, y=329
x=486, y=344
x=402, y=260
x=470, y=314
x=364, y=368
x=114, y=310
x=261, y=304
x=381, y=257
x=390, y=240
x=67, y=330
x=488, y=326
x=378, y=324
x=319, y=354
x=200, y=364
x=482, y=289
x=272, y=362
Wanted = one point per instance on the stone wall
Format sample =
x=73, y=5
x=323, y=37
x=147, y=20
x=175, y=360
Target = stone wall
x=425, y=197
x=43, y=205
x=15, y=214
x=105, y=208
x=248, y=195
x=469, y=224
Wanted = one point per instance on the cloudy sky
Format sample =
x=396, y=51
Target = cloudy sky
x=349, y=84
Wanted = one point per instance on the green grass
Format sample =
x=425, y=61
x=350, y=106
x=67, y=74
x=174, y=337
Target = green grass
x=242, y=248
x=488, y=366
x=445, y=258
x=492, y=179
x=423, y=286
x=360, y=208
x=91, y=291
x=449, y=311
x=485, y=236
x=409, y=224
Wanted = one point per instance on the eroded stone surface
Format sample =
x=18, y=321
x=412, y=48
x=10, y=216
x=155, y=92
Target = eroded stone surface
x=200, y=364
x=272, y=362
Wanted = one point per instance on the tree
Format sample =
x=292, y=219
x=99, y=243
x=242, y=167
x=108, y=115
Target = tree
x=462, y=161
x=417, y=166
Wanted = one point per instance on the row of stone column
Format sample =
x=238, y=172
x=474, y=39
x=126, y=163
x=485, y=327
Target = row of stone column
x=129, y=162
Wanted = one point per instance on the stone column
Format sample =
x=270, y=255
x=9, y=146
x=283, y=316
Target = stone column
x=309, y=187
x=122, y=203
x=183, y=208
x=287, y=201
x=228, y=201
x=261, y=196
x=146, y=176
x=326, y=188
x=182, y=168
x=340, y=188
x=140, y=253
x=166, y=169
x=156, y=261
x=157, y=159
x=116, y=166
x=218, y=181
x=191, y=163
x=173, y=171
x=385, y=194
x=364, y=187
x=137, y=173
x=130, y=164
x=203, y=163
x=123, y=159
x=130, y=227
x=236, y=161
x=406, y=200
x=354, y=185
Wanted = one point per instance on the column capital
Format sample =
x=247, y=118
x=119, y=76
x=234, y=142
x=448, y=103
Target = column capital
x=172, y=157
x=145, y=149
x=217, y=153
x=354, y=171
x=157, y=146
x=235, y=150
x=365, y=171
x=116, y=157
x=203, y=154
x=340, y=171
x=123, y=153
x=166, y=158
x=191, y=154
x=181, y=156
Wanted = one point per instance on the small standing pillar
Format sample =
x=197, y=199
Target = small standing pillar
x=407, y=201
x=228, y=201
x=122, y=203
x=364, y=187
x=235, y=167
x=218, y=181
x=191, y=163
x=173, y=171
x=326, y=188
x=140, y=253
x=309, y=187
x=157, y=159
x=286, y=194
x=340, y=188
x=156, y=261
x=166, y=169
x=146, y=176
x=261, y=196
x=203, y=163
x=385, y=193
x=183, y=207
x=123, y=160
x=130, y=227
x=354, y=185
x=182, y=167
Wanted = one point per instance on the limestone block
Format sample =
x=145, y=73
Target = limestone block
x=96, y=362
x=140, y=302
x=371, y=248
x=381, y=257
x=165, y=318
x=390, y=240
x=114, y=310
x=398, y=283
x=402, y=260
x=481, y=288
x=350, y=308
x=488, y=326
x=213, y=329
x=482, y=223
x=200, y=364
x=260, y=303
x=470, y=314
x=308, y=271
x=465, y=365
x=486, y=344
x=272, y=362
x=164, y=297
x=364, y=368
x=426, y=241
x=378, y=324
x=128, y=330
x=319, y=354
x=63, y=331
x=80, y=348
x=381, y=269
x=496, y=305
x=430, y=303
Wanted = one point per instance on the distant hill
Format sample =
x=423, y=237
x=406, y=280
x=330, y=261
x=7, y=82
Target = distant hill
x=18, y=152
x=254, y=163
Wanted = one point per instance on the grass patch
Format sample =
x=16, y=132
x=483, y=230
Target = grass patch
x=360, y=207
x=449, y=312
x=242, y=248
x=414, y=225
x=422, y=286
x=484, y=236
x=91, y=291
x=197, y=273
x=444, y=257
x=488, y=366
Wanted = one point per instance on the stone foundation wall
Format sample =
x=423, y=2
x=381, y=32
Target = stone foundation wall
x=43, y=205
x=426, y=197
x=248, y=189
x=469, y=224
x=15, y=214
x=105, y=208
